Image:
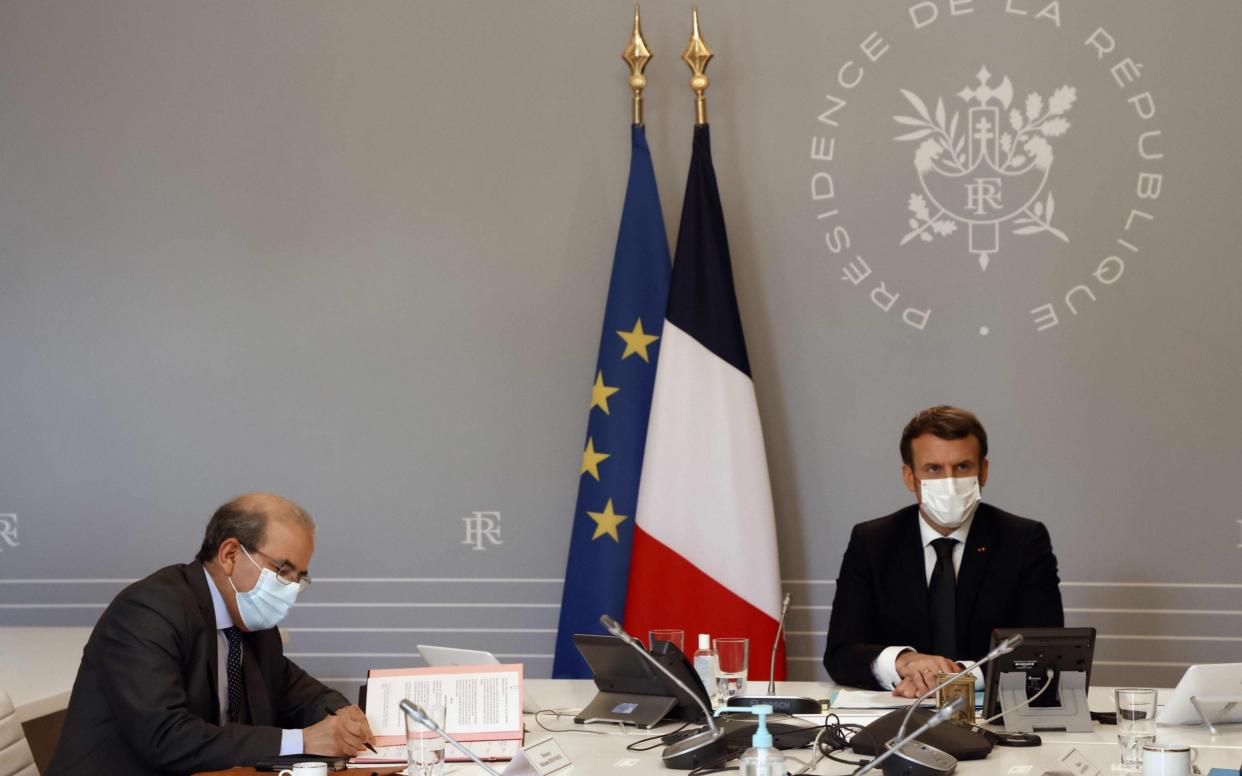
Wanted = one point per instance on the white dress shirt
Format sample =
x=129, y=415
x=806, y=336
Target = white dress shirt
x=290, y=740
x=884, y=667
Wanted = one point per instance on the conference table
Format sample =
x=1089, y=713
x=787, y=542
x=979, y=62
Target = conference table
x=604, y=751
x=39, y=665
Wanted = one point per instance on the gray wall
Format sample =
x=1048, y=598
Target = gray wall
x=356, y=252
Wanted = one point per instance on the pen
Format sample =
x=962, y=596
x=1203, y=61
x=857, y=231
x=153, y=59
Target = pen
x=332, y=713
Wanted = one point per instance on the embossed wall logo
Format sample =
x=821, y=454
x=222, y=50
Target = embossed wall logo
x=987, y=174
x=482, y=527
x=984, y=142
x=8, y=531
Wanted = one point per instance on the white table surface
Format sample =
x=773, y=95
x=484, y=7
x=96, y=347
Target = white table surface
x=38, y=666
x=606, y=754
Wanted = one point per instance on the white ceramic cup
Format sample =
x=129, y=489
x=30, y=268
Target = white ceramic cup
x=306, y=769
x=1168, y=759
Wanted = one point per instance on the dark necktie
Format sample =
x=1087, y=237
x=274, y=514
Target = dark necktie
x=237, y=692
x=942, y=600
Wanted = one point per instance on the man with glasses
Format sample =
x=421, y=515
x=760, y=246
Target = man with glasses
x=185, y=669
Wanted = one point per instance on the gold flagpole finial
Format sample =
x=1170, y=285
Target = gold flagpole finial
x=637, y=55
x=697, y=55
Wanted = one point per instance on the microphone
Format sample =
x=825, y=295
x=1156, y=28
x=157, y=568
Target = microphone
x=781, y=704
x=696, y=750
x=780, y=627
x=924, y=757
x=416, y=713
x=1003, y=648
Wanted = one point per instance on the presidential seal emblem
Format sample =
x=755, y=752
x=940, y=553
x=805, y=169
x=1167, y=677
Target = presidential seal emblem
x=989, y=170
x=982, y=141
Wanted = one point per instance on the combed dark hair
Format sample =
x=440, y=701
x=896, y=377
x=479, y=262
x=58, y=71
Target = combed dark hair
x=944, y=422
x=245, y=519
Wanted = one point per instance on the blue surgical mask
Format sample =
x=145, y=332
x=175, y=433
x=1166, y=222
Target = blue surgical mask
x=267, y=603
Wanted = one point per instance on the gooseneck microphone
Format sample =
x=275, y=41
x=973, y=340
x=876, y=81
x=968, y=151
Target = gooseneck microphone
x=933, y=760
x=416, y=713
x=696, y=750
x=1003, y=648
x=776, y=642
x=781, y=704
x=919, y=757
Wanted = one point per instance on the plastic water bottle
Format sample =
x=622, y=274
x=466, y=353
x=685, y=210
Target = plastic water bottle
x=762, y=759
x=705, y=665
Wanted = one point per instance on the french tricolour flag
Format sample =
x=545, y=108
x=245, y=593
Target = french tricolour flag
x=704, y=556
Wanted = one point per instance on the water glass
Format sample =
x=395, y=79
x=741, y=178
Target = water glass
x=678, y=637
x=732, y=661
x=1136, y=724
x=424, y=745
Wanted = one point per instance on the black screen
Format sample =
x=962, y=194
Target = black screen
x=1059, y=649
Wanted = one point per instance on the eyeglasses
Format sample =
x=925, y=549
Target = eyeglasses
x=286, y=573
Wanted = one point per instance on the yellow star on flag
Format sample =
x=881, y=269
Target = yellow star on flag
x=591, y=459
x=636, y=341
x=601, y=392
x=606, y=522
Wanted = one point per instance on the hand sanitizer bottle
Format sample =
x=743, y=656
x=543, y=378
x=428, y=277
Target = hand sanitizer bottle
x=705, y=666
x=762, y=759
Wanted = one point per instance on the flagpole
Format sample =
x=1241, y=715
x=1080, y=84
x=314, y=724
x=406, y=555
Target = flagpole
x=637, y=55
x=601, y=533
x=696, y=56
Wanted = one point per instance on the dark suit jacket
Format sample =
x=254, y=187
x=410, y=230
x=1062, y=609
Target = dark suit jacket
x=1008, y=578
x=145, y=700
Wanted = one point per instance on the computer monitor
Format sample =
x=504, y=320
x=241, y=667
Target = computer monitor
x=1217, y=687
x=619, y=670
x=1067, y=652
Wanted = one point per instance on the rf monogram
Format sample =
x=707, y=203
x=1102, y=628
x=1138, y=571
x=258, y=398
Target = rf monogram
x=983, y=196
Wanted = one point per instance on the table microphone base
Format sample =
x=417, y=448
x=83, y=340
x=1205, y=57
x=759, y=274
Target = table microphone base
x=701, y=749
x=781, y=704
x=918, y=759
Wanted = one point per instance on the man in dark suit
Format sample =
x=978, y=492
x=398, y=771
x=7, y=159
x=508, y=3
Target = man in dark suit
x=185, y=670
x=923, y=587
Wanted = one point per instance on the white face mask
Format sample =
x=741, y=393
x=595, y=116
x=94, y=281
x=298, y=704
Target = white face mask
x=267, y=603
x=951, y=501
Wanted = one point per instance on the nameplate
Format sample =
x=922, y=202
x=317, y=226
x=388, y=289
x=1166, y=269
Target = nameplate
x=542, y=759
x=1076, y=763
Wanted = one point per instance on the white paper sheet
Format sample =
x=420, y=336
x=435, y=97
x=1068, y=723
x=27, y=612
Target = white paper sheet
x=478, y=702
x=870, y=699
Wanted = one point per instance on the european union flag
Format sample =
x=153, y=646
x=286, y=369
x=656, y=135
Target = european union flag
x=612, y=457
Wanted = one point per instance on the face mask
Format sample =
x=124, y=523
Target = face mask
x=950, y=502
x=268, y=602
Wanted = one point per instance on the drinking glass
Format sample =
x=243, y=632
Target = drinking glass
x=678, y=637
x=732, y=660
x=424, y=745
x=1136, y=724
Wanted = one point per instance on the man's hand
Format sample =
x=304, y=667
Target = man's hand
x=346, y=733
x=918, y=672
